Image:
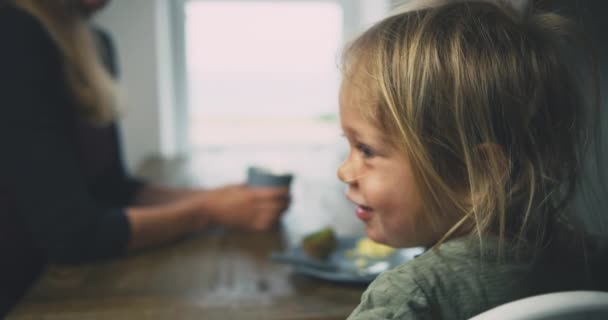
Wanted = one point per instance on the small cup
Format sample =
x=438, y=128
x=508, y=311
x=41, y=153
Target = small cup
x=262, y=177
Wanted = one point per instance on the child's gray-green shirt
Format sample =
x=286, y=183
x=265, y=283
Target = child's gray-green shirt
x=456, y=282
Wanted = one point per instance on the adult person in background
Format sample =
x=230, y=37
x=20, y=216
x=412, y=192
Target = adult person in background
x=65, y=196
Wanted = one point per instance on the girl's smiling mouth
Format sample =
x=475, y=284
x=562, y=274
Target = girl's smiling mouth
x=363, y=212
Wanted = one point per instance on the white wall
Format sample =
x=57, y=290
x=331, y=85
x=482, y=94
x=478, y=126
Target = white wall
x=141, y=33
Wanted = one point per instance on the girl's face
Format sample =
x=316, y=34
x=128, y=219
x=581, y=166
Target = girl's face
x=380, y=182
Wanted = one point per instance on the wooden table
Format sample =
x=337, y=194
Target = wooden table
x=218, y=274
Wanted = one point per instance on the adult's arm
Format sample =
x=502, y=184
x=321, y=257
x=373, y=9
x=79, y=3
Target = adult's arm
x=41, y=169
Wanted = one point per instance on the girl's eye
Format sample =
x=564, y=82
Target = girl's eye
x=365, y=150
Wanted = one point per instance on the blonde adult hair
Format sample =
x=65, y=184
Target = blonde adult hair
x=479, y=97
x=93, y=88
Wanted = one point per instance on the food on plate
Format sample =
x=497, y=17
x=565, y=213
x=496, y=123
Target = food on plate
x=368, y=248
x=320, y=244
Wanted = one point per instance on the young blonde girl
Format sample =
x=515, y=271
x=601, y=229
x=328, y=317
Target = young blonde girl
x=465, y=126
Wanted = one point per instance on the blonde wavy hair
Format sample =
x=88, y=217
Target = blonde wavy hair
x=92, y=87
x=479, y=96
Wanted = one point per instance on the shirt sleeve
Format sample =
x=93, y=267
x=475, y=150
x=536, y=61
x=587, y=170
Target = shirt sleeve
x=38, y=165
x=393, y=295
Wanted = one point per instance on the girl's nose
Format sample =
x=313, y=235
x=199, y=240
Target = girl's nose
x=345, y=172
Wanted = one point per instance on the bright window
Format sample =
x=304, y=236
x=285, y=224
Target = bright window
x=262, y=71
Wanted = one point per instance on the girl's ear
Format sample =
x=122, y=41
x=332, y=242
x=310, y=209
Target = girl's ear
x=494, y=156
x=494, y=172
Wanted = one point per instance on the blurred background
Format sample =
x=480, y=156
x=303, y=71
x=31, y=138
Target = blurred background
x=213, y=86
x=202, y=74
x=223, y=84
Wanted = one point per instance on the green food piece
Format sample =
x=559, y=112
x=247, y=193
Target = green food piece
x=320, y=244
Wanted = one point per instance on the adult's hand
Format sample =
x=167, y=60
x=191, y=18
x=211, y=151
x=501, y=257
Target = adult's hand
x=244, y=207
